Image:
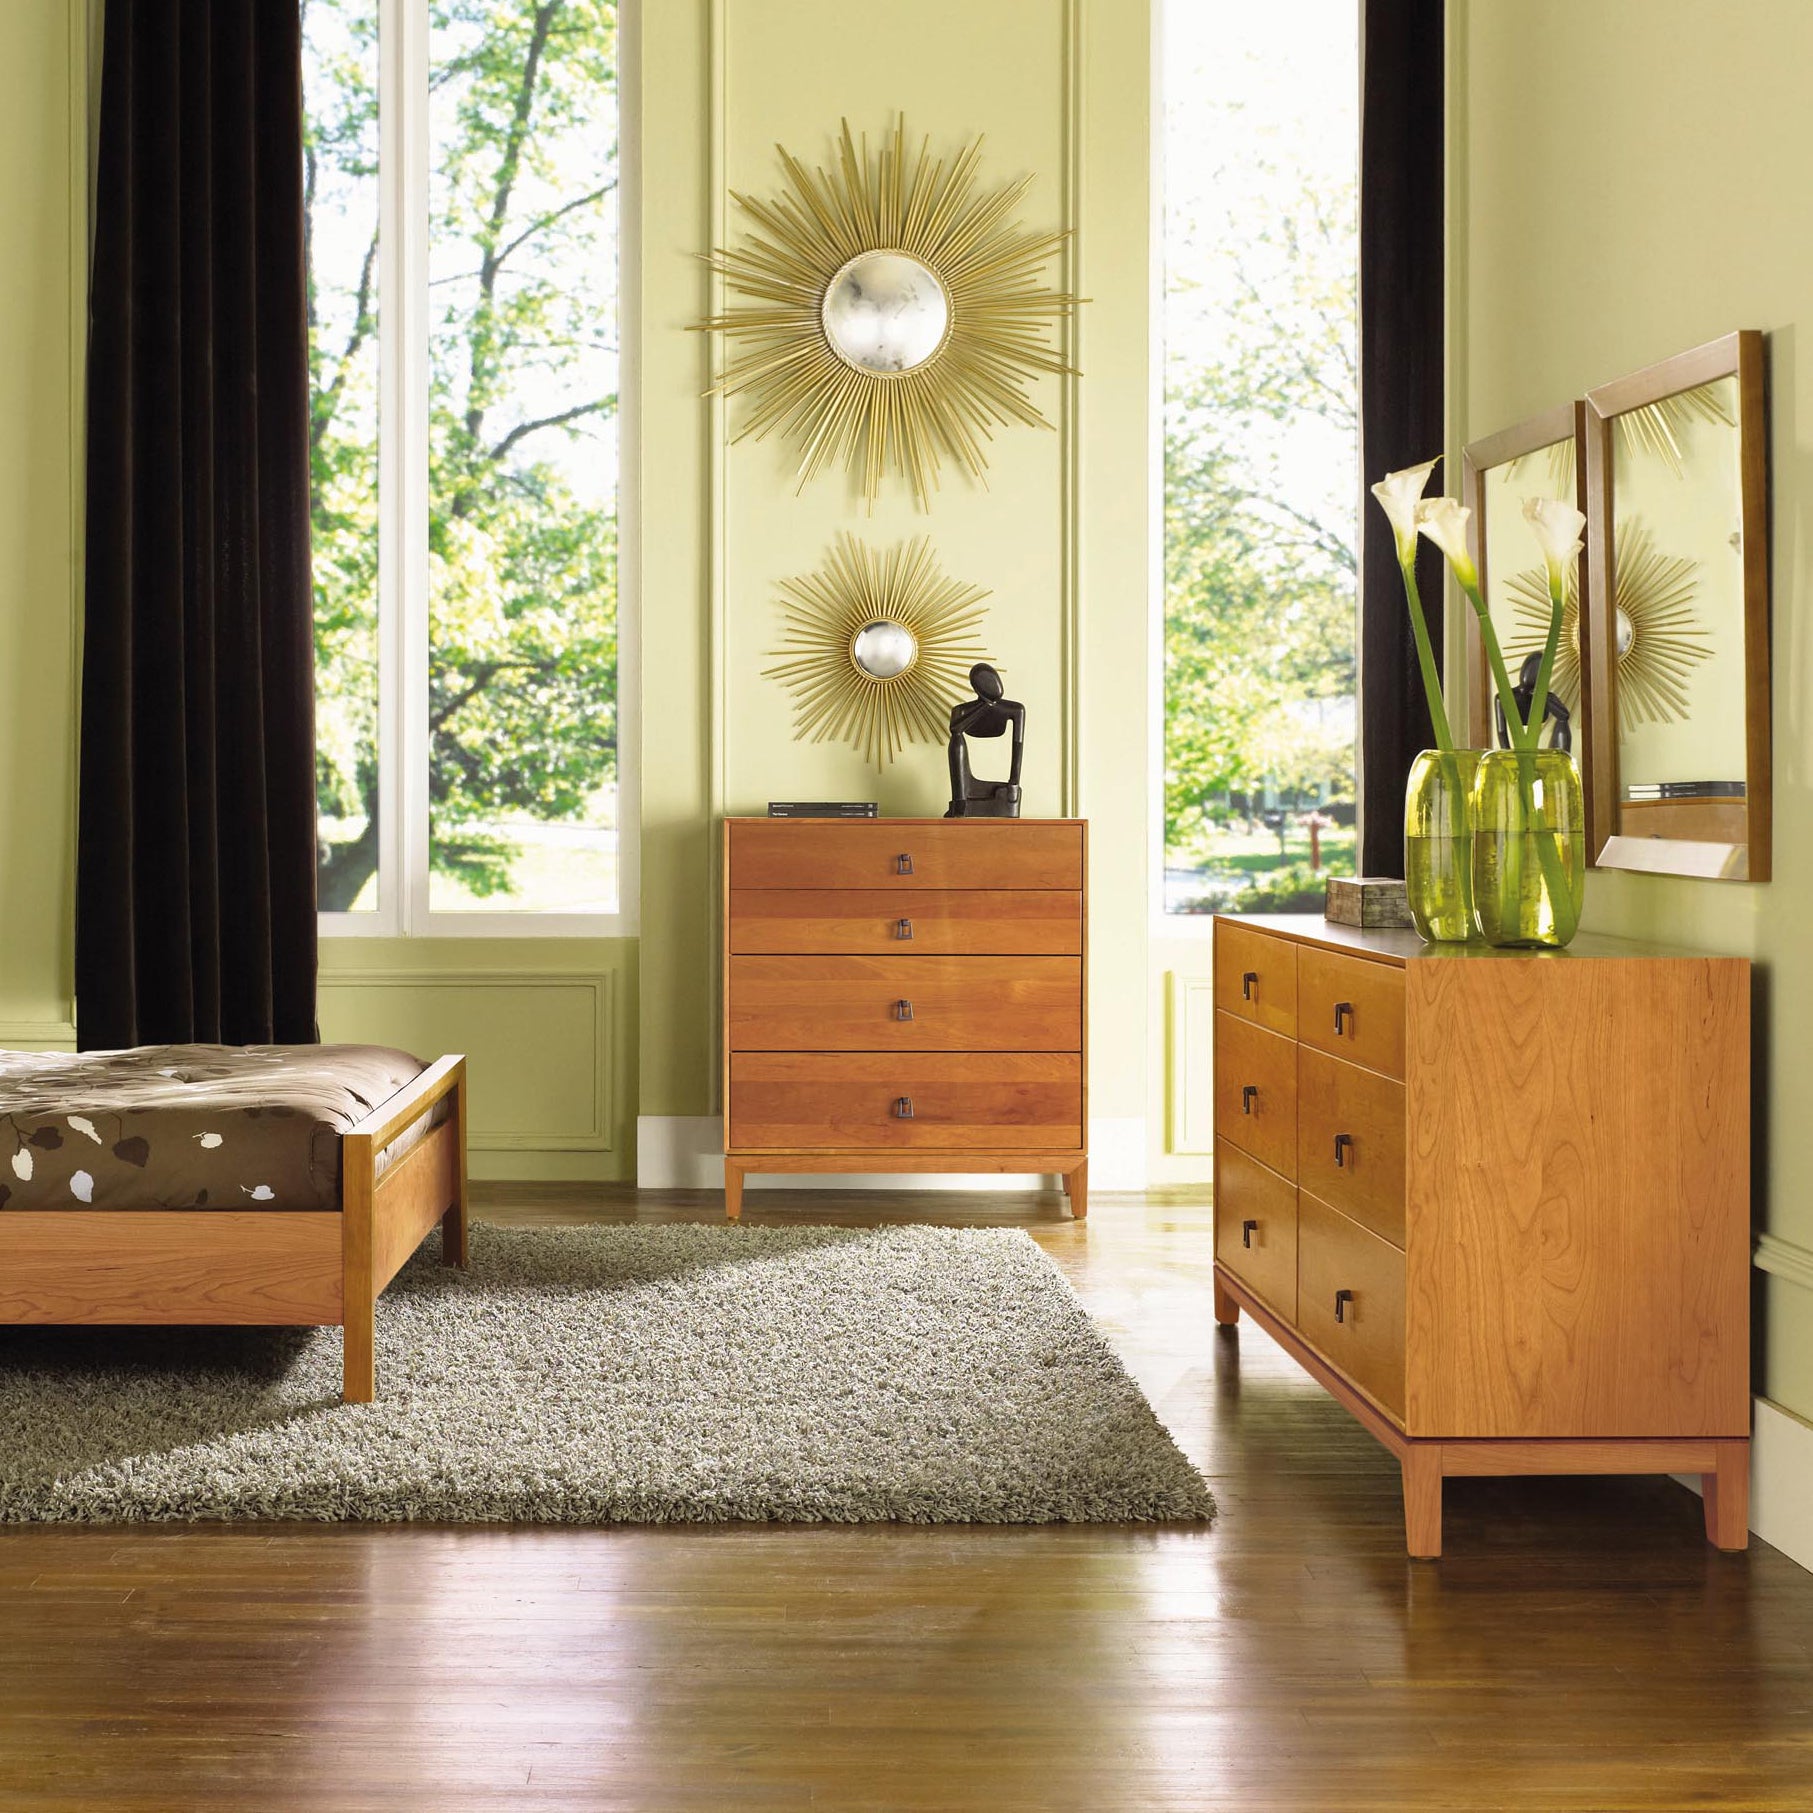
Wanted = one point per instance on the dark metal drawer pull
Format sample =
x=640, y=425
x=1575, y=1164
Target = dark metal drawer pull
x=1248, y=983
x=1343, y=1141
x=903, y=1010
x=1247, y=1097
x=1342, y=1299
x=1247, y=1229
x=903, y=1107
x=1343, y=1012
x=903, y=864
x=903, y=928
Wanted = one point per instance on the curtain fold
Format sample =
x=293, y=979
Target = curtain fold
x=1402, y=415
x=195, y=899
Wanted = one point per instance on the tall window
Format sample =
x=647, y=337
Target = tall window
x=1261, y=424
x=462, y=161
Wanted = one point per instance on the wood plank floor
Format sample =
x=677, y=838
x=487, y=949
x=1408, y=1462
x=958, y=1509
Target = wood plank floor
x=1579, y=1646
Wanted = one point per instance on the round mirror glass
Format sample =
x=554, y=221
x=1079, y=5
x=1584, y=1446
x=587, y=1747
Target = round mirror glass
x=884, y=649
x=1627, y=632
x=886, y=312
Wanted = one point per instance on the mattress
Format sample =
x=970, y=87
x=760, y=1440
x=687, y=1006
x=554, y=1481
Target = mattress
x=189, y=1126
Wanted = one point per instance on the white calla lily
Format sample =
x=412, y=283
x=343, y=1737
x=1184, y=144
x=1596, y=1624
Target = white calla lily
x=1399, y=493
x=1558, y=528
x=1445, y=523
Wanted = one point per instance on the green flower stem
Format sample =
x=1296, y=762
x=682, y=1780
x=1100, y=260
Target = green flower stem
x=1425, y=656
x=1539, y=697
x=1515, y=727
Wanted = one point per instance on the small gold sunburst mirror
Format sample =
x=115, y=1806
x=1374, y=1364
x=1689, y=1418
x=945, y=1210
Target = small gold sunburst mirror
x=876, y=647
x=897, y=313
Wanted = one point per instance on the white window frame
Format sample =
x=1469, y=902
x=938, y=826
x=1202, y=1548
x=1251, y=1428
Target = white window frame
x=1182, y=928
x=404, y=171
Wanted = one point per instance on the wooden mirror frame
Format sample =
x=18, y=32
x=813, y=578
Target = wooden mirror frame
x=1565, y=422
x=1738, y=355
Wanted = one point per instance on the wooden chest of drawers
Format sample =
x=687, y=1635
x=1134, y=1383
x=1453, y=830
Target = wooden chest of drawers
x=905, y=995
x=1498, y=1202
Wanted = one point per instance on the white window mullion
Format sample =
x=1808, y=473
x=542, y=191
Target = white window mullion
x=407, y=521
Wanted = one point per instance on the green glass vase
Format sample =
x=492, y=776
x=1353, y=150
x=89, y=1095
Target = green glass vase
x=1529, y=848
x=1438, y=844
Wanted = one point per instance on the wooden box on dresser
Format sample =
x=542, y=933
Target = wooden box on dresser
x=905, y=994
x=1496, y=1202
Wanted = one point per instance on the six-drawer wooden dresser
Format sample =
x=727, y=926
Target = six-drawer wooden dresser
x=905, y=995
x=1497, y=1202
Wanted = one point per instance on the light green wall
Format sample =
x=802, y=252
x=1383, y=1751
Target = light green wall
x=42, y=207
x=1635, y=184
x=1060, y=88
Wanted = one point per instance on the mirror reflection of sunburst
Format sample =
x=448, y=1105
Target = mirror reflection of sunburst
x=1656, y=428
x=827, y=610
x=990, y=266
x=1660, y=642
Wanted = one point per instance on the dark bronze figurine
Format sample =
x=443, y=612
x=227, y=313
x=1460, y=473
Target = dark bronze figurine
x=1524, y=692
x=988, y=714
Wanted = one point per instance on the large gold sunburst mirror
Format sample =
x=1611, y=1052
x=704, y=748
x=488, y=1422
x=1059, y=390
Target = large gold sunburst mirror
x=898, y=313
x=877, y=647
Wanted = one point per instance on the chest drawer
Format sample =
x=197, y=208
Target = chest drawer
x=906, y=1101
x=904, y=923
x=1352, y=1009
x=1256, y=977
x=1350, y=1141
x=1350, y=1300
x=1256, y=1227
x=905, y=1004
x=1256, y=1092
x=905, y=854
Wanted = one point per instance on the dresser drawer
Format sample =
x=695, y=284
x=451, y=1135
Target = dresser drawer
x=1350, y=1141
x=1256, y=977
x=1014, y=1101
x=1344, y=1269
x=1256, y=1092
x=1352, y=1008
x=905, y=854
x=1256, y=1227
x=900, y=922
x=905, y=1004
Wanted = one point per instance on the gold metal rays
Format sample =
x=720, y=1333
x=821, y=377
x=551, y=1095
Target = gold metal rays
x=1660, y=642
x=922, y=625
x=978, y=278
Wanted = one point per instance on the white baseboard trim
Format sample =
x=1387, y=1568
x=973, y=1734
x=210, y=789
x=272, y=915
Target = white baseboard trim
x=686, y=1152
x=1781, y=1481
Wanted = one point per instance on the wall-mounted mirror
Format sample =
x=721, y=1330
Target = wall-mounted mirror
x=884, y=648
x=1542, y=457
x=1678, y=615
x=886, y=312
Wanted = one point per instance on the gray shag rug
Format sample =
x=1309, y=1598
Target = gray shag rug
x=621, y=1374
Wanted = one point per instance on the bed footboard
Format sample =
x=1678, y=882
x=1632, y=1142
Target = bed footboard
x=384, y=1219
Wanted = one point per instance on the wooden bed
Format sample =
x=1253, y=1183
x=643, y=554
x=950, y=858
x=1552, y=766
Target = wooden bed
x=259, y=1267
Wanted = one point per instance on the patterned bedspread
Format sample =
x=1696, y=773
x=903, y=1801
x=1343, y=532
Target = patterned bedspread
x=188, y=1126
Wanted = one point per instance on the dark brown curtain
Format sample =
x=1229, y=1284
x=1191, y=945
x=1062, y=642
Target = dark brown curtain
x=1401, y=414
x=195, y=908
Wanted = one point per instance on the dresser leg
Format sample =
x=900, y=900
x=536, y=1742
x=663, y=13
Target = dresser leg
x=1727, y=1496
x=733, y=1190
x=1422, y=1468
x=1076, y=1187
x=1227, y=1311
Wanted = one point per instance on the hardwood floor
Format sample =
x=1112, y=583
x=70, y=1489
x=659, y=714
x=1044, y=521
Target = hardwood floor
x=1580, y=1646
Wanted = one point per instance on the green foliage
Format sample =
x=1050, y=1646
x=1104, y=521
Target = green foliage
x=522, y=554
x=1259, y=577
